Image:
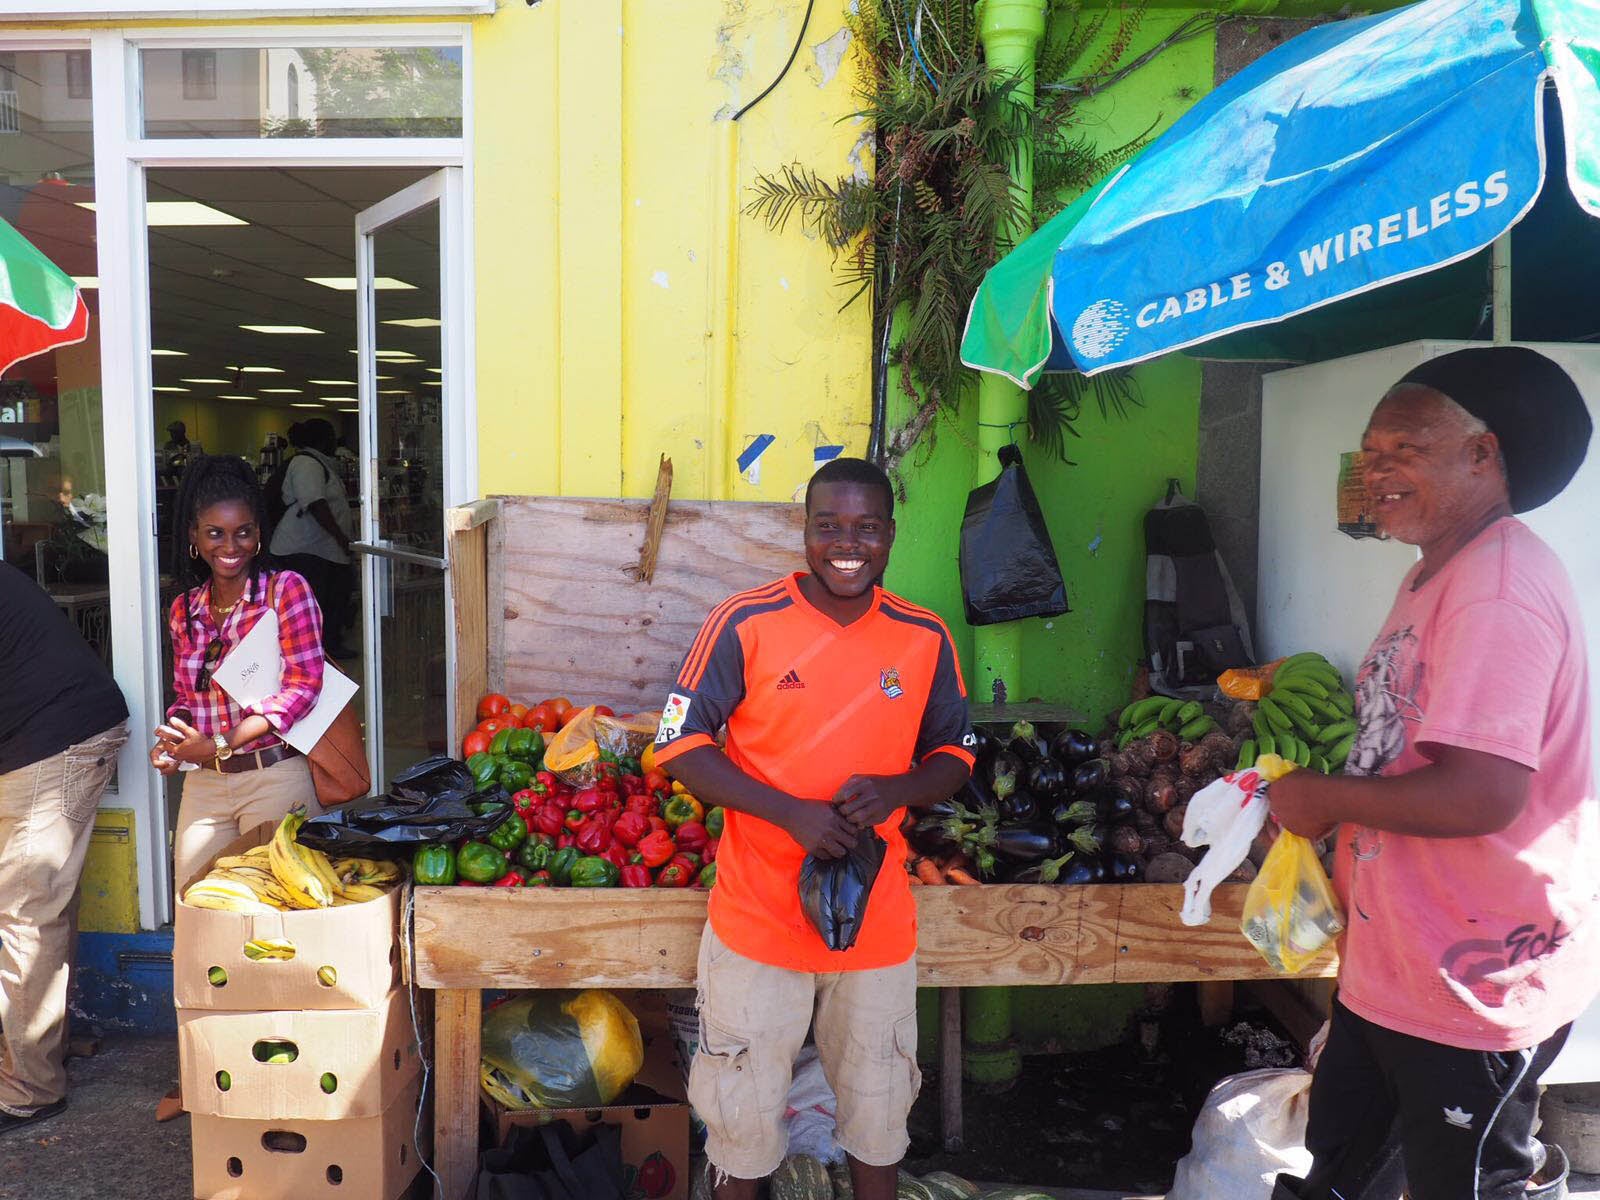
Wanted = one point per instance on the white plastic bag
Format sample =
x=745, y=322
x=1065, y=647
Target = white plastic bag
x=1225, y=815
x=1253, y=1127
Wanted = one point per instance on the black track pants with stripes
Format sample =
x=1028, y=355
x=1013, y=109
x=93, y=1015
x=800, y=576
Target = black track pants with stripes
x=1392, y=1113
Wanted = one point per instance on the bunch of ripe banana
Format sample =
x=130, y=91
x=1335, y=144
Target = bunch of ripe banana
x=1143, y=717
x=1308, y=718
x=284, y=875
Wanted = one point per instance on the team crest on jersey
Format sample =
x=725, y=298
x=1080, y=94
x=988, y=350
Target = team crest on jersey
x=672, y=719
x=889, y=681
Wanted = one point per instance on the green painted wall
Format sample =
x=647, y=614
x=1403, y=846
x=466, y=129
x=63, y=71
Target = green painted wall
x=1084, y=659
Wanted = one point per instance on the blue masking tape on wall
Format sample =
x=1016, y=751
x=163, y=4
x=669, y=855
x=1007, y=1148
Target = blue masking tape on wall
x=755, y=450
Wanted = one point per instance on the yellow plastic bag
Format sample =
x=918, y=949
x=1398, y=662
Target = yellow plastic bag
x=558, y=1049
x=1290, y=912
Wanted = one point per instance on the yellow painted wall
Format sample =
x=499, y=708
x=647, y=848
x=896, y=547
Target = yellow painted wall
x=604, y=191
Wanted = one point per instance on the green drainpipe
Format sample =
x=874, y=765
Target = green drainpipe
x=1011, y=31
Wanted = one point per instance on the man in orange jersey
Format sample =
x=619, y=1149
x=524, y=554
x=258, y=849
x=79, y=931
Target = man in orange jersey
x=844, y=707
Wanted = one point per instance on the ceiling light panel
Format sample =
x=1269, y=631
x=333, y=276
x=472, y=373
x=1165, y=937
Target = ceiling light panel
x=347, y=283
x=275, y=329
x=179, y=212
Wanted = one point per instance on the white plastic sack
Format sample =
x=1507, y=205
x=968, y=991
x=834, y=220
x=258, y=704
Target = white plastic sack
x=1225, y=815
x=1252, y=1127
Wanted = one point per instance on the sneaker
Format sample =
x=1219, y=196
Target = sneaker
x=10, y=1120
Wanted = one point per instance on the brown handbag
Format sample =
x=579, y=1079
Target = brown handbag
x=339, y=759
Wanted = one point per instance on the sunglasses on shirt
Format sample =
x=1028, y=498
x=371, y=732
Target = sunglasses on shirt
x=202, y=681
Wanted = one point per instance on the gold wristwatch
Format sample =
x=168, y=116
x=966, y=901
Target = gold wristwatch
x=224, y=751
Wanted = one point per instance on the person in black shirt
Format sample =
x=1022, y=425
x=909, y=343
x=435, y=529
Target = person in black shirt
x=62, y=722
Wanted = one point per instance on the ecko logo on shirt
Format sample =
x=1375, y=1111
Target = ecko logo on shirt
x=672, y=718
x=889, y=681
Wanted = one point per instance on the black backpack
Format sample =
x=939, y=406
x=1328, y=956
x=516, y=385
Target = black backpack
x=1195, y=626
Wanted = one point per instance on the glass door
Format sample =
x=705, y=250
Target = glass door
x=406, y=332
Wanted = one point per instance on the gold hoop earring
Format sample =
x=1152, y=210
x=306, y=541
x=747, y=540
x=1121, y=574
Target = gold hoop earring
x=194, y=551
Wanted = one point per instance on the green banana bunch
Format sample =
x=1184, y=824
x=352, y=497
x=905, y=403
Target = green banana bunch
x=1186, y=718
x=1308, y=709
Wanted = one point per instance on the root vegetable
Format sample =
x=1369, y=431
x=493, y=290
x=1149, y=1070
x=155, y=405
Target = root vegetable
x=1186, y=788
x=1245, y=872
x=1167, y=868
x=1161, y=795
x=927, y=871
x=958, y=876
x=1194, y=760
x=1132, y=788
x=1164, y=745
x=1174, y=821
x=1125, y=839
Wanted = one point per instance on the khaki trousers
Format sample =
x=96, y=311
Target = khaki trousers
x=46, y=816
x=217, y=808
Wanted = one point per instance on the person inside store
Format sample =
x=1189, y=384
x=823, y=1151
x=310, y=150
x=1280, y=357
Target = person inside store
x=313, y=535
x=1467, y=823
x=179, y=450
x=240, y=773
x=844, y=706
x=62, y=722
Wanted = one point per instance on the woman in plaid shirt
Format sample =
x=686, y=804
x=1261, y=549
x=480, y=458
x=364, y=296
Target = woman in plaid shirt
x=247, y=775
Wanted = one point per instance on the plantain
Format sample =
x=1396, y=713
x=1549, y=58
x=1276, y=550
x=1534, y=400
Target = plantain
x=1336, y=731
x=1262, y=726
x=366, y=870
x=1197, y=728
x=305, y=873
x=1275, y=715
x=1305, y=656
x=1340, y=750
x=1146, y=727
x=1141, y=711
x=1247, y=755
x=1265, y=745
x=261, y=881
x=1289, y=747
x=359, y=893
x=259, y=949
x=1169, y=712
x=225, y=895
x=1301, y=685
x=1291, y=704
x=1343, y=701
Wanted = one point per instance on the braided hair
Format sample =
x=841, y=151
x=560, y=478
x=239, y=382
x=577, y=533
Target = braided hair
x=215, y=479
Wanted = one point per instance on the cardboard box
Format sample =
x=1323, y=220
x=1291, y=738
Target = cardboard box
x=653, y=1114
x=365, y=1056
x=358, y=944
x=360, y=1158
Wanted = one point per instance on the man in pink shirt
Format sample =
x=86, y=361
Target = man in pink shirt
x=1468, y=828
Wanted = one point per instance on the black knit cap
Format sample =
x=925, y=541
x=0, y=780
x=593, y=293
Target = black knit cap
x=1529, y=403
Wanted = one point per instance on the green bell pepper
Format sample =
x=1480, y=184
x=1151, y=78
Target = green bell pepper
x=434, y=866
x=509, y=834
x=515, y=775
x=525, y=745
x=589, y=871
x=484, y=768
x=479, y=862
x=535, y=853
x=481, y=807
x=560, y=867
x=715, y=820
x=500, y=743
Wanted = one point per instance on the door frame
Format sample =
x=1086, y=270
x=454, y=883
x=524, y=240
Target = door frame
x=122, y=158
x=446, y=189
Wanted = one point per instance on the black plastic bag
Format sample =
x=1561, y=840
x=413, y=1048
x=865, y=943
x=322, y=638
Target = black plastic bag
x=554, y=1163
x=1008, y=564
x=834, y=891
x=430, y=802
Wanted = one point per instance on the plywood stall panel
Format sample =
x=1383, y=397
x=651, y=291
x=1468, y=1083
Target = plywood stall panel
x=469, y=530
x=577, y=624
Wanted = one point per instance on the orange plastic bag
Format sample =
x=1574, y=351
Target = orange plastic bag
x=574, y=752
x=1248, y=683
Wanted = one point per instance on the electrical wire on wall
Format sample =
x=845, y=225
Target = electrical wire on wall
x=805, y=23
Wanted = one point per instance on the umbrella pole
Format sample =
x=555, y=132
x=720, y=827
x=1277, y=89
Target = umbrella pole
x=1500, y=277
x=1011, y=31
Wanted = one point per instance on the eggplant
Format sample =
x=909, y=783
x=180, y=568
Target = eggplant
x=1007, y=763
x=1019, y=808
x=1089, y=839
x=933, y=836
x=1025, y=742
x=1084, y=869
x=1091, y=774
x=1026, y=843
x=1113, y=805
x=1048, y=871
x=984, y=744
x=976, y=795
x=1124, y=869
x=1071, y=814
x=944, y=808
x=1048, y=778
x=1073, y=747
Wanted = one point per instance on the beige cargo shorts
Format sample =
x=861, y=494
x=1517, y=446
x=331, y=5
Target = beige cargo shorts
x=753, y=1022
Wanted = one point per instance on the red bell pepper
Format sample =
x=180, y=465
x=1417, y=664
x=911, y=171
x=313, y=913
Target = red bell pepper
x=655, y=848
x=510, y=879
x=645, y=805
x=594, y=838
x=546, y=778
x=658, y=825
x=574, y=820
x=675, y=874
x=657, y=781
x=633, y=785
x=538, y=879
x=549, y=819
x=589, y=800
x=565, y=840
x=636, y=876
x=688, y=856
x=630, y=827
x=469, y=883
x=618, y=856
x=712, y=846
x=525, y=801
x=691, y=835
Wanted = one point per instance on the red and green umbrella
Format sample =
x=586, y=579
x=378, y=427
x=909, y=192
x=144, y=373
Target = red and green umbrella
x=40, y=306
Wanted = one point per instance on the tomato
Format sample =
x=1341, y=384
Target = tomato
x=568, y=717
x=494, y=725
x=561, y=706
x=542, y=716
x=601, y=710
x=476, y=742
x=518, y=713
x=493, y=705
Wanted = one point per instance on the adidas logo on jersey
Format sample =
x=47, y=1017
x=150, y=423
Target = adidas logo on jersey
x=790, y=681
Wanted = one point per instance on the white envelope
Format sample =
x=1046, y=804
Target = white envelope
x=253, y=670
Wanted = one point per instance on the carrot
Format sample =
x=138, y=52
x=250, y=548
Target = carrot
x=928, y=872
x=957, y=875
